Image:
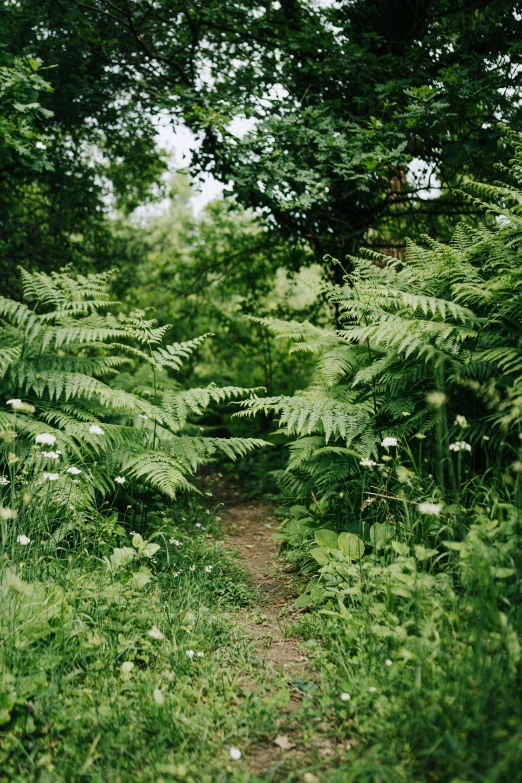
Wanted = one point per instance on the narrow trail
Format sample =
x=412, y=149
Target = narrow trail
x=248, y=528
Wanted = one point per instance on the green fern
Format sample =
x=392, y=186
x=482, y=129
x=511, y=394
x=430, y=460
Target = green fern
x=62, y=355
x=445, y=318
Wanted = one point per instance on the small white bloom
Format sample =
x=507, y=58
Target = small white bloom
x=51, y=476
x=388, y=662
x=177, y=573
x=175, y=542
x=23, y=540
x=200, y=654
x=367, y=463
x=190, y=653
x=517, y=466
x=387, y=442
x=155, y=633
x=192, y=568
x=119, y=480
x=51, y=454
x=459, y=445
x=158, y=697
x=46, y=439
x=18, y=405
x=372, y=690
x=127, y=667
x=4, y=481
x=461, y=421
x=8, y=513
x=74, y=471
x=345, y=697
x=234, y=753
x=95, y=429
x=432, y=509
x=208, y=569
x=198, y=524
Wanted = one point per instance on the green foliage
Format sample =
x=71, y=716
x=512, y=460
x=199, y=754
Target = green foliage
x=60, y=358
x=426, y=344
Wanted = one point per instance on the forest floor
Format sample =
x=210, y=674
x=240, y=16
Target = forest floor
x=306, y=746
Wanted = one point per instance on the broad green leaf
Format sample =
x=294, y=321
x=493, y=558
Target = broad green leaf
x=380, y=534
x=138, y=542
x=321, y=554
x=326, y=538
x=351, y=545
x=149, y=550
x=303, y=601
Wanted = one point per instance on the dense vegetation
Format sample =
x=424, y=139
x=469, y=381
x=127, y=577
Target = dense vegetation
x=150, y=356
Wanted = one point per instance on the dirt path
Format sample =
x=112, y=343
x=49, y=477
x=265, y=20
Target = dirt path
x=248, y=527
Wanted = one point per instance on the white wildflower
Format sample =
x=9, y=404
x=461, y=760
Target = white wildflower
x=200, y=654
x=345, y=697
x=432, y=509
x=192, y=568
x=158, y=697
x=51, y=454
x=208, y=569
x=95, y=429
x=177, y=573
x=127, y=667
x=459, y=445
x=388, y=662
x=23, y=540
x=51, y=476
x=190, y=653
x=461, y=421
x=4, y=481
x=517, y=467
x=175, y=542
x=436, y=398
x=372, y=690
x=46, y=439
x=74, y=471
x=387, y=442
x=8, y=513
x=119, y=480
x=367, y=463
x=198, y=524
x=155, y=633
x=234, y=753
x=18, y=405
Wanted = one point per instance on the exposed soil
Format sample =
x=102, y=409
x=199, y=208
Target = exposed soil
x=248, y=528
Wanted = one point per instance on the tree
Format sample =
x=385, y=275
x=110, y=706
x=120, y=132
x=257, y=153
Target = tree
x=342, y=96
